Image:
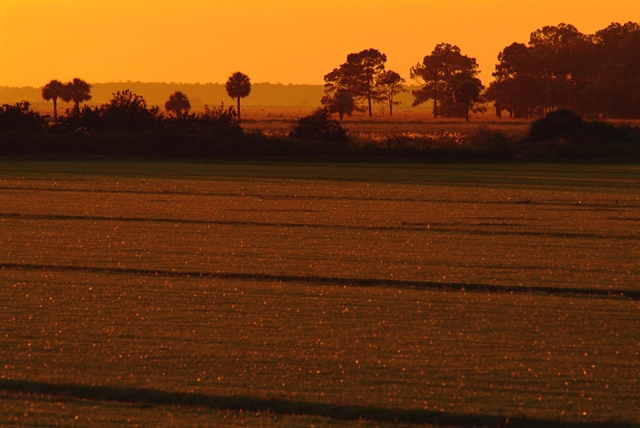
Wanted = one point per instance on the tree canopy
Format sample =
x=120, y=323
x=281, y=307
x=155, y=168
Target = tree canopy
x=52, y=91
x=178, y=104
x=77, y=91
x=238, y=86
x=596, y=75
x=440, y=72
x=467, y=94
x=359, y=77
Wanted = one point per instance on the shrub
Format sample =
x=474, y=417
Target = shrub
x=20, y=117
x=219, y=121
x=563, y=135
x=318, y=126
x=554, y=125
x=128, y=112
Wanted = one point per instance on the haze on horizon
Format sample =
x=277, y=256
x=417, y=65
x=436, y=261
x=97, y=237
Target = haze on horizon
x=277, y=41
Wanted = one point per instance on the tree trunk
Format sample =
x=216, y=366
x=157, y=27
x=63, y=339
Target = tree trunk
x=466, y=115
x=238, y=108
x=369, y=105
x=435, y=100
x=390, y=107
x=55, y=108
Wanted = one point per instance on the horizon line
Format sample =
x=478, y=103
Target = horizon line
x=166, y=83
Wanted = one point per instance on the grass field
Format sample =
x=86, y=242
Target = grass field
x=318, y=294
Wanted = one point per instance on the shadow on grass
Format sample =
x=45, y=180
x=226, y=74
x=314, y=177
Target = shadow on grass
x=343, y=412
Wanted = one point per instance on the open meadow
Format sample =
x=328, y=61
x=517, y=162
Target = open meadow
x=319, y=294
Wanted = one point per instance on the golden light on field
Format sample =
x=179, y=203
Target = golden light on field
x=287, y=41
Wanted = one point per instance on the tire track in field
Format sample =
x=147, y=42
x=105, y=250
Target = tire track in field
x=454, y=227
x=282, y=406
x=331, y=280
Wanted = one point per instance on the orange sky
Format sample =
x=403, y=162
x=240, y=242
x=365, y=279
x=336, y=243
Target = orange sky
x=286, y=41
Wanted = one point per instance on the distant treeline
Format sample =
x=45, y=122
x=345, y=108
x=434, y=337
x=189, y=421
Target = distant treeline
x=262, y=94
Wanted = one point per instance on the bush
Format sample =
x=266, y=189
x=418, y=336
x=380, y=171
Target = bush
x=563, y=135
x=318, y=126
x=554, y=125
x=20, y=117
x=219, y=121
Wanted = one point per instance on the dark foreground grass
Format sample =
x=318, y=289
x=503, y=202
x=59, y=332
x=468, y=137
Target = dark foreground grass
x=343, y=412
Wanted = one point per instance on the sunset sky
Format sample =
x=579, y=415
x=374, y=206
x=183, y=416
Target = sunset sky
x=286, y=41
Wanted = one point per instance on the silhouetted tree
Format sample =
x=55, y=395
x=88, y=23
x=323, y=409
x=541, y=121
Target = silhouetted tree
x=391, y=84
x=238, y=86
x=341, y=102
x=437, y=72
x=517, y=88
x=359, y=76
x=615, y=90
x=178, y=104
x=52, y=91
x=467, y=94
x=77, y=91
x=564, y=58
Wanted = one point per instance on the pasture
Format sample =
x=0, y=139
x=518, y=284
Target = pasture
x=319, y=294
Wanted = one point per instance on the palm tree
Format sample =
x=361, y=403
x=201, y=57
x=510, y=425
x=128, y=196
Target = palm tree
x=77, y=91
x=238, y=86
x=52, y=91
x=178, y=102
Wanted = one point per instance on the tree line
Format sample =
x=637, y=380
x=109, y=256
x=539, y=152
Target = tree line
x=594, y=75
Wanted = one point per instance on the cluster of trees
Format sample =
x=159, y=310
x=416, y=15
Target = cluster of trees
x=76, y=90
x=447, y=77
x=362, y=78
x=595, y=75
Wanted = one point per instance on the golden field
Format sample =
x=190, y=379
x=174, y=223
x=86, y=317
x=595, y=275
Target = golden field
x=441, y=292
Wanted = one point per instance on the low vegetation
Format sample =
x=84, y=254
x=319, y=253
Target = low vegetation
x=127, y=126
